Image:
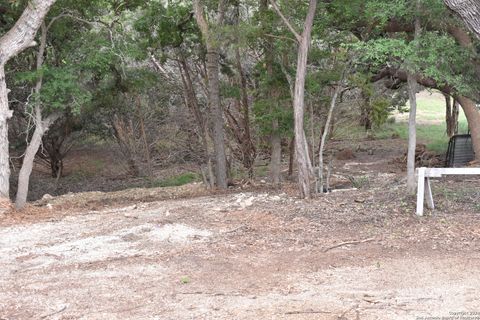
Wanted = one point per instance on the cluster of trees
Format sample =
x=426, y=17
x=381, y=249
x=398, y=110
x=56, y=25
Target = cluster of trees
x=223, y=82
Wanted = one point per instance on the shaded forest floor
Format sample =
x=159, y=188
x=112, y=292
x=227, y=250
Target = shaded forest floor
x=255, y=253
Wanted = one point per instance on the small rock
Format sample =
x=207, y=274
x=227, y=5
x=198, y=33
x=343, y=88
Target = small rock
x=247, y=203
x=47, y=196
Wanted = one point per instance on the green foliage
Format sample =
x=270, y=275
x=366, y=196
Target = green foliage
x=380, y=110
x=381, y=11
x=162, y=27
x=61, y=89
x=268, y=110
x=273, y=101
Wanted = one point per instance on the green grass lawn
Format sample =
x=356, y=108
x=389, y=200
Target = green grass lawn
x=431, y=127
x=432, y=135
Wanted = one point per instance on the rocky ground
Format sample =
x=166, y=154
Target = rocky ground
x=353, y=254
x=249, y=253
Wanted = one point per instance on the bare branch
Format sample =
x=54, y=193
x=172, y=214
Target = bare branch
x=285, y=20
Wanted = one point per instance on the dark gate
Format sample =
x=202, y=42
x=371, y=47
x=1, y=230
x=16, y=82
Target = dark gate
x=460, y=151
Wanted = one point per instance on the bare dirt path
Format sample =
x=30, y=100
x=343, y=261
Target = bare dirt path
x=244, y=256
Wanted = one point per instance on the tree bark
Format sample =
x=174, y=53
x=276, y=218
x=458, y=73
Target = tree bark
x=412, y=121
x=5, y=114
x=28, y=159
x=249, y=152
x=412, y=134
x=192, y=101
x=469, y=12
x=276, y=155
x=326, y=133
x=473, y=118
x=291, y=157
x=275, y=137
x=41, y=126
x=305, y=171
x=17, y=39
x=213, y=71
x=451, y=115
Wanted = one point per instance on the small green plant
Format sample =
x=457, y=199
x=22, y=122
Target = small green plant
x=176, y=181
x=360, y=182
x=184, y=280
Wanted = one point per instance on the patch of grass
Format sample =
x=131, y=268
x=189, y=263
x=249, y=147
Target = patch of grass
x=176, y=181
x=98, y=164
x=184, y=280
x=434, y=136
x=431, y=127
x=261, y=171
x=360, y=182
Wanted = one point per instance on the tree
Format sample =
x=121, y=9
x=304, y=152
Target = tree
x=412, y=122
x=305, y=170
x=213, y=72
x=469, y=12
x=442, y=58
x=41, y=126
x=17, y=39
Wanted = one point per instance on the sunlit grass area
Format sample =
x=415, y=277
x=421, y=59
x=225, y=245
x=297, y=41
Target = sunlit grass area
x=431, y=126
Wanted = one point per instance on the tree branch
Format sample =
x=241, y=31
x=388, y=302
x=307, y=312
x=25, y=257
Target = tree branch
x=285, y=21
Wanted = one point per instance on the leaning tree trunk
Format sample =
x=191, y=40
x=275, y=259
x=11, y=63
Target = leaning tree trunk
x=192, y=102
x=32, y=149
x=326, y=133
x=473, y=118
x=17, y=39
x=469, y=12
x=41, y=126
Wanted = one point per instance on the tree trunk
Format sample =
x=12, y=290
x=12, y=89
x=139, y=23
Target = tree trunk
x=412, y=134
x=32, y=149
x=275, y=137
x=214, y=90
x=248, y=146
x=16, y=40
x=291, y=159
x=192, y=102
x=473, y=117
x=5, y=114
x=451, y=115
x=456, y=114
x=146, y=147
x=469, y=12
x=326, y=133
x=312, y=134
x=301, y=146
x=412, y=121
x=218, y=122
x=276, y=155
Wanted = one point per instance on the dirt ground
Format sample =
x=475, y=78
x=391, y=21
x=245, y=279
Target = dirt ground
x=247, y=254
